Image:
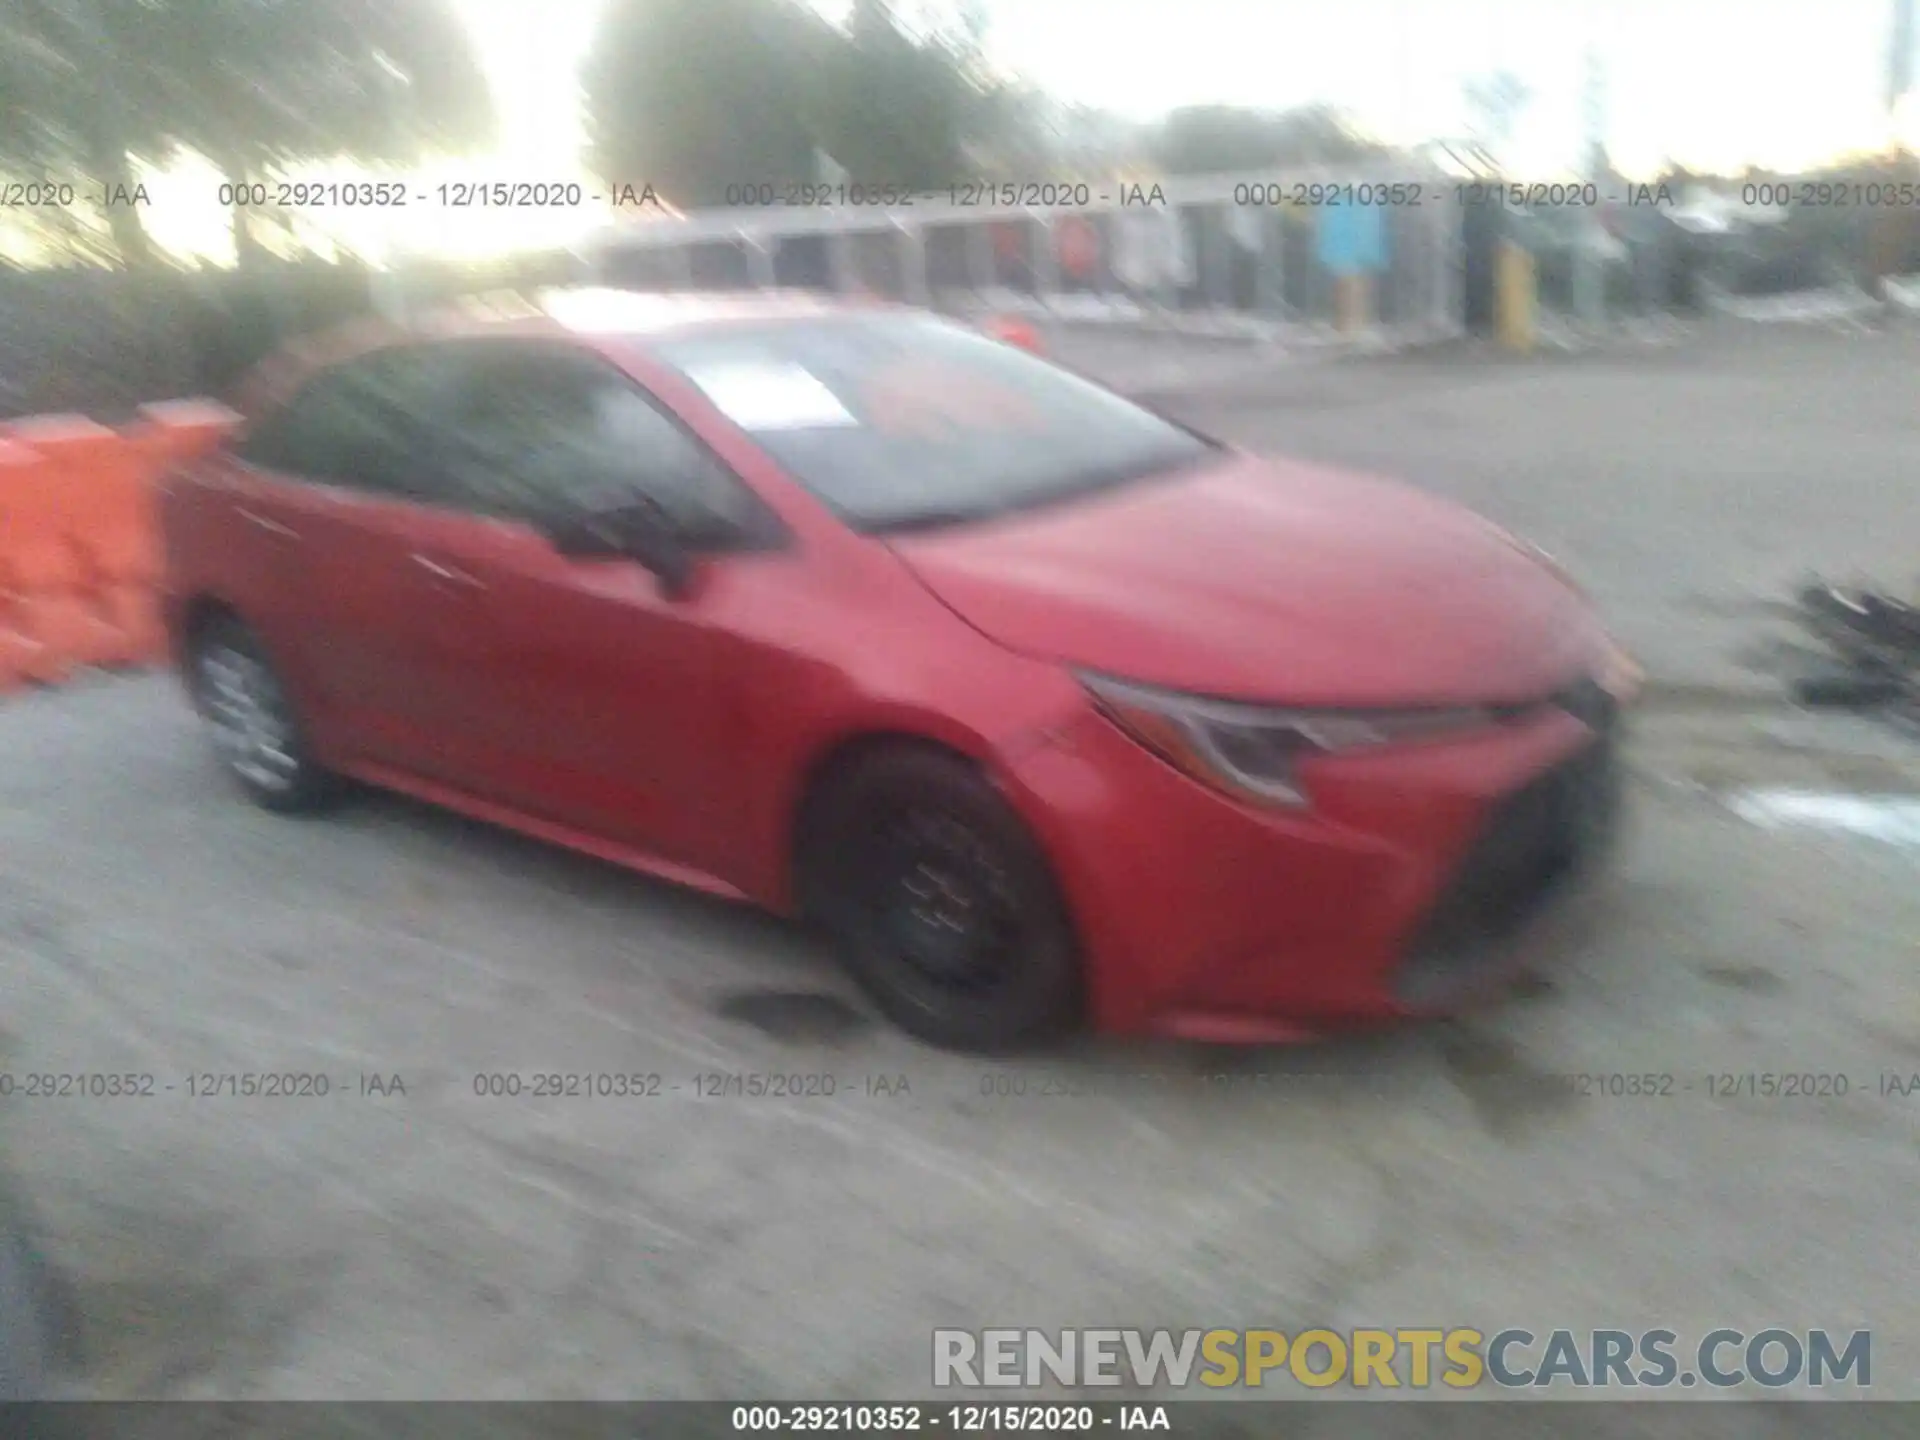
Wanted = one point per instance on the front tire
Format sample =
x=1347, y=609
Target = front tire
x=944, y=905
x=250, y=717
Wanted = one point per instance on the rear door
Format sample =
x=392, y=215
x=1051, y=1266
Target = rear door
x=244, y=538
x=288, y=483
x=356, y=519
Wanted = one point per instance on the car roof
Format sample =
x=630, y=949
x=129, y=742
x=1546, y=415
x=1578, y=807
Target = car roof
x=594, y=314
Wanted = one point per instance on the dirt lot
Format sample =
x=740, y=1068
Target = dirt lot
x=439, y=1243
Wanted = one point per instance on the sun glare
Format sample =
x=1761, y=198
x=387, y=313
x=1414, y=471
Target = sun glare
x=1707, y=85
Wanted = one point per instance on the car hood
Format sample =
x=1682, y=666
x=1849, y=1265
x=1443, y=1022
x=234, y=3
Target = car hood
x=1274, y=581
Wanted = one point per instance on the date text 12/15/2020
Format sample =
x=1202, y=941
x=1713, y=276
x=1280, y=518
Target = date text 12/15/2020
x=1655, y=1085
x=910, y=1419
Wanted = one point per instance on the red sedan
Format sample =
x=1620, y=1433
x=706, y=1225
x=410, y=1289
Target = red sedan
x=1047, y=707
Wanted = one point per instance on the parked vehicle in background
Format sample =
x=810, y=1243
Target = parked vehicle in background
x=1047, y=707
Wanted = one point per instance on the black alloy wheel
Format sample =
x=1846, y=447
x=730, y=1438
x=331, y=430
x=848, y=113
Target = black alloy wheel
x=945, y=908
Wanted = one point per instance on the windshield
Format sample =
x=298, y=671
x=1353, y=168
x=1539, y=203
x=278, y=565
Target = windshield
x=903, y=420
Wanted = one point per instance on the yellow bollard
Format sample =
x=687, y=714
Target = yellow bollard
x=1515, y=288
x=1353, y=303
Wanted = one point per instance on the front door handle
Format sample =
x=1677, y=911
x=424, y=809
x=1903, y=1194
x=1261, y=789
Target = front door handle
x=261, y=522
x=446, y=573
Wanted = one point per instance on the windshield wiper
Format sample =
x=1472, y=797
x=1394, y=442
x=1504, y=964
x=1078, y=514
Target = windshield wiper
x=1080, y=487
x=929, y=520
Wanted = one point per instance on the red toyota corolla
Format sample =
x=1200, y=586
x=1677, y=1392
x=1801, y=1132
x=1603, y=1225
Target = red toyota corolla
x=1046, y=706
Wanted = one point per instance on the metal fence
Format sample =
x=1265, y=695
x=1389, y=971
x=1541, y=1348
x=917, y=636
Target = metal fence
x=1224, y=254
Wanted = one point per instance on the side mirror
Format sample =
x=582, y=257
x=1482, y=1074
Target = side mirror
x=656, y=542
x=585, y=535
x=640, y=530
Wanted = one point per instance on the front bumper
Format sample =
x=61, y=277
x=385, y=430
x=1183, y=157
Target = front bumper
x=1536, y=846
x=1412, y=886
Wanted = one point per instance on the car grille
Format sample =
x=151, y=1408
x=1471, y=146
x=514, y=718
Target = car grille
x=1535, y=841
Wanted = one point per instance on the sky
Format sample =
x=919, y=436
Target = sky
x=1777, y=81
x=1783, y=82
x=1711, y=84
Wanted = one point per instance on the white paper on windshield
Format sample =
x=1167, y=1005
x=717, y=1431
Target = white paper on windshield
x=759, y=395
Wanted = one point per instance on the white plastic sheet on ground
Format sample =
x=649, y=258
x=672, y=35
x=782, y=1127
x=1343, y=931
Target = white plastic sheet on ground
x=1890, y=819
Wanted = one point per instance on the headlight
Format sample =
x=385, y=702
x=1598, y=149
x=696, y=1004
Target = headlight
x=1250, y=751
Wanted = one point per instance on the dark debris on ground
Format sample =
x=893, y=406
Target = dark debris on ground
x=1872, y=641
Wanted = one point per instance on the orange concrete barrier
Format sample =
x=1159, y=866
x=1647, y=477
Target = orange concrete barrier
x=80, y=551
x=78, y=522
x=46, y=596
x=1012, y=330
x=21, y=656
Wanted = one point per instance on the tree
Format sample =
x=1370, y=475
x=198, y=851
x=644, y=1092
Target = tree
x=61, y=106
x=700, y=97
x=301, y=80
x=1037, y=135
x=695, y=96
x=1224, y=139
x=896, y=108
x=1494, y=105
x=94, y=87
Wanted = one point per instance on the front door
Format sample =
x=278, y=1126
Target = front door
x=583, y=693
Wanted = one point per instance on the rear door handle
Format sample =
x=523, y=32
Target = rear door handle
x=445, y=573
x=272, y=527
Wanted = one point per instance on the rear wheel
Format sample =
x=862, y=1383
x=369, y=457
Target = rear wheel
x=251, y=720
x=943, y=903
